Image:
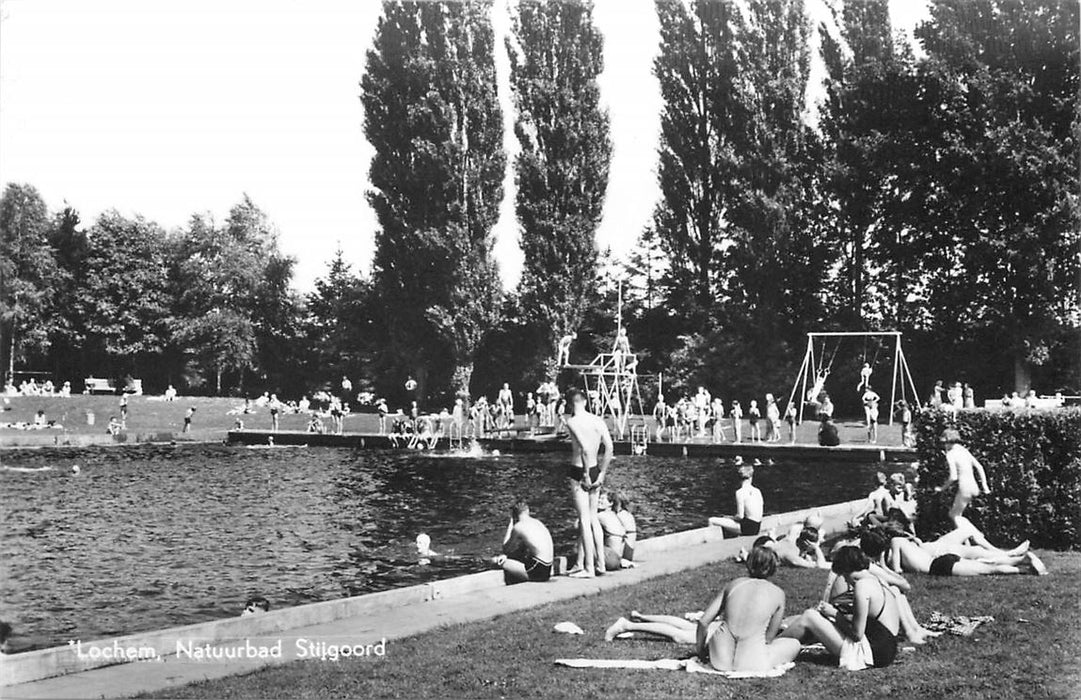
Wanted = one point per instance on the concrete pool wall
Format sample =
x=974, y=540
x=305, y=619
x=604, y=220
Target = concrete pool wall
x=81, y=671
x=548, y=444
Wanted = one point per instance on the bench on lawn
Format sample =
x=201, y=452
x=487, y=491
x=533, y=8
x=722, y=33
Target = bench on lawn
x=95, y=385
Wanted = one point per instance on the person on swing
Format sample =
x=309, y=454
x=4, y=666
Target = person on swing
x=865, y=377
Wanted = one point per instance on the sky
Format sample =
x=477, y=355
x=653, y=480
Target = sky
x=166, y=110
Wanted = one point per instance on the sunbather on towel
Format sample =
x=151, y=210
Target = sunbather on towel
x=737, y=630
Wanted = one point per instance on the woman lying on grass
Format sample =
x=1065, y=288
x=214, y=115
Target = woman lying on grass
x=867, y=637
x=738, y=630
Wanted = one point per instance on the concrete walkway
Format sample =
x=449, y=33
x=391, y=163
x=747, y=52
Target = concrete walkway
x=660, y=556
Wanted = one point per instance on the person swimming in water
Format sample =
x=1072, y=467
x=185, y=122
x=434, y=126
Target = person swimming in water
x=749, y=508
x=585, y=475
x=256, y=604
x=527, y=548
x=963, y=469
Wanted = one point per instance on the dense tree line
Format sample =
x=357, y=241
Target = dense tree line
x=207, y=308
x=938, y=197
x=936, y=194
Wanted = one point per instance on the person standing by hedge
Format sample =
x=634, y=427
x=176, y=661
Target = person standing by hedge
x=963, y=469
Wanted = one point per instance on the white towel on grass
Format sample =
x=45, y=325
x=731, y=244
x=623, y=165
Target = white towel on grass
x=691, y=665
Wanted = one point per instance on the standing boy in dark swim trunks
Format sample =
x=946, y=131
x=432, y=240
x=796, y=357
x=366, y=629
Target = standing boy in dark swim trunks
x=589, y=433
x=749, y=507
x=527, y=548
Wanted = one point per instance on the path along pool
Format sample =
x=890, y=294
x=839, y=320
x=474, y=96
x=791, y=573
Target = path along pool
x=149, y=537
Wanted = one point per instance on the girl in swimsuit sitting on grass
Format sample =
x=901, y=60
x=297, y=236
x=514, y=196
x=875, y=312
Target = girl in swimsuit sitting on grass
x=867, y=637
x=738, y=630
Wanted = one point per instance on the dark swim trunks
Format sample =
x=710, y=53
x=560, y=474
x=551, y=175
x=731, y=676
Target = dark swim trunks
x=749, y=527
x=538, y=571
x=943, y=565
x=578, y=474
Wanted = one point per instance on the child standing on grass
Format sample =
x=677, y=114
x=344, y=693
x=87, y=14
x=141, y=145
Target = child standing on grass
x=790, y=418
x=717, y=410
x=124, y=410
x=753, y=414
x=904, y=415
x=275, y=409
x=773, y=415
x=188, y=415
x=737, y=421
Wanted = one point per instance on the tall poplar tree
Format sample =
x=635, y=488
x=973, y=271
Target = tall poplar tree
x=562, y=170
x=432, y=116
x=698, y=73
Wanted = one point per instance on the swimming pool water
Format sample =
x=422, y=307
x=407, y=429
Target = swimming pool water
x=148, y=537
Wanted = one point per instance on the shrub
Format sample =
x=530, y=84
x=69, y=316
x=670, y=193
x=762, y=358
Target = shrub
x=1033, y=464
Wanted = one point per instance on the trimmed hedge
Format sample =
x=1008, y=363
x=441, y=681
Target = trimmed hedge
x=1033, y=464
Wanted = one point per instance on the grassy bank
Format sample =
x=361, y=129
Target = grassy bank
x=1032, y=649
x=149, y=417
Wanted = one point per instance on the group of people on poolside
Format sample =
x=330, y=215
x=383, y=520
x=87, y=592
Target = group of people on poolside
x=864, y=609
x=479, y=419
x=31, y=387
x=606, y=528
x=704, y=416
x=955, y=397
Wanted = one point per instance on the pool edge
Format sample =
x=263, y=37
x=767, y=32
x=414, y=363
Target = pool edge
x=32, y=668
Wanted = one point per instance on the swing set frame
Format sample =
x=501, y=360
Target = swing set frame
x=901, y=371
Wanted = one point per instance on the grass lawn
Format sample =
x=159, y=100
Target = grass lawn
x=150, y=416
x=1032, y=649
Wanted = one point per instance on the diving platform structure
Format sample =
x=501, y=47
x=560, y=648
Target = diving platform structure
x=611, y=384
